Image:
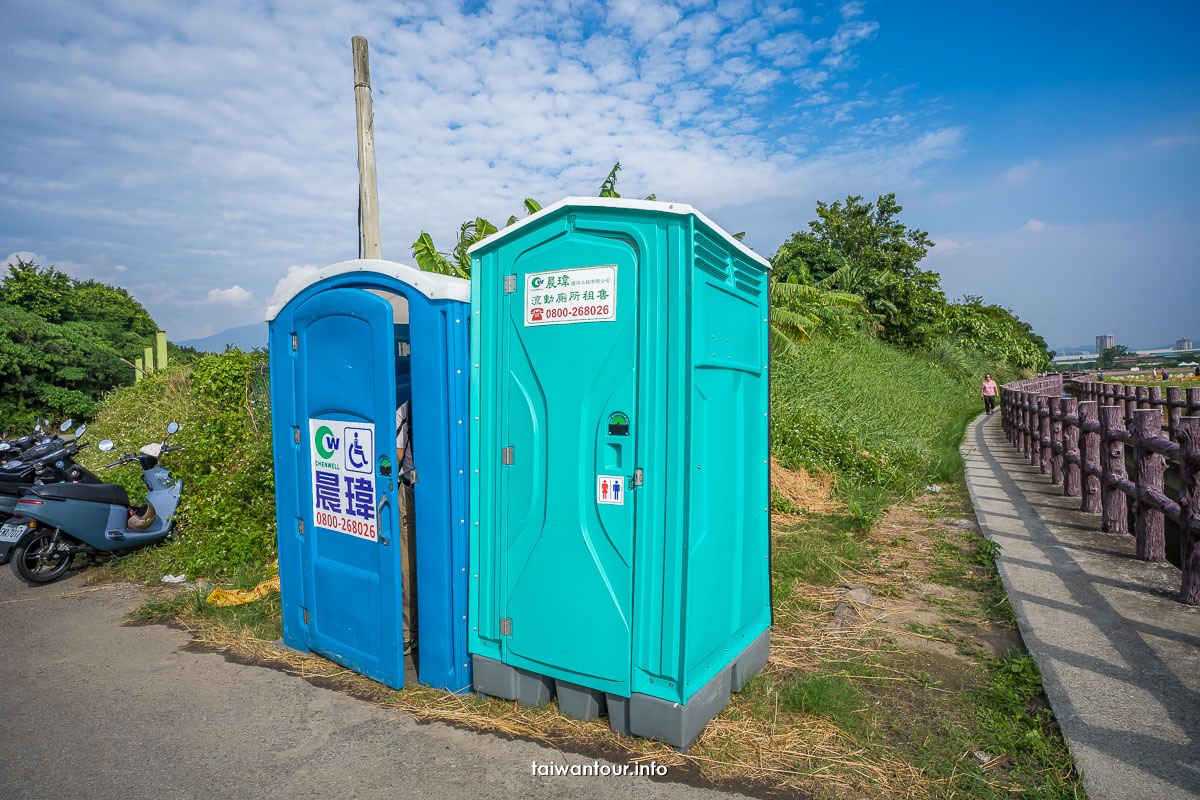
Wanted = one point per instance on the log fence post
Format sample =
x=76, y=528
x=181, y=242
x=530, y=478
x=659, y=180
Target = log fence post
x=1089, y=458
x=1112, y=465
x=1035, y=432
x=1023, y=405
x=1056, y=449
x=1130, y=405
x=1193, y=402
x=1070, y=443
x=1148, y=520
x=1188, y=434
x=1143, y=397
x=1044, y=434
x=1174, y=410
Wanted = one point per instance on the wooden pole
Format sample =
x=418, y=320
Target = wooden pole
x=1070, y=440
x=148, y=359
x=1149, y=521
x=1056, y=451
x=139, y=371
x=1174, y=409
x=1112, y=464
x=1187, y=431
x=368, y=191
x=160, y=344
x=1044, y=434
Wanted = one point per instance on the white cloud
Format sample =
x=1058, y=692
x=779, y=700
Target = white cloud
x=944, y=247
x=223, y=145
x=1034, y=225
x=25, y=255
x=120, y=267
x=296, y=277
x=1175, y=140
x=233, y=296
x=851, y=10
x=1020, y=174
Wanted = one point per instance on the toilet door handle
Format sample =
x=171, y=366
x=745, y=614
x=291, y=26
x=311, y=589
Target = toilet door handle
x=383, y=501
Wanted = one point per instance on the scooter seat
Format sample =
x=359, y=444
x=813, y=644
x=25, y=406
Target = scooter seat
x=113, y=493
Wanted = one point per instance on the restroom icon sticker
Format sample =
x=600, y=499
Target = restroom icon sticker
x=610, y=490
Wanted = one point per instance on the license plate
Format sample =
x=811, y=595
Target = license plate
x=12, y=532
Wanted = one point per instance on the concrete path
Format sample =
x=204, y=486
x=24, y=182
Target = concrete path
x=91, y=709
x=1120, y=657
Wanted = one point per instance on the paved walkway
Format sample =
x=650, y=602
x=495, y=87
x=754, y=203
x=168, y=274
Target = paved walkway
x=92, y=709
x=1120, y=657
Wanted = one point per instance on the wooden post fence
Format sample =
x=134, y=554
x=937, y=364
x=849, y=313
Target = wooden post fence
x=1080, y=441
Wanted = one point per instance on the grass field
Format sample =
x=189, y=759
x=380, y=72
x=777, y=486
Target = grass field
x=922, y=691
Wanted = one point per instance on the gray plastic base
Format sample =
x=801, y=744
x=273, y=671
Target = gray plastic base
x=511, y=683
x=638, y=715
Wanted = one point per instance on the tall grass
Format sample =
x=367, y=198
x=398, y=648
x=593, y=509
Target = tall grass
x=884, y=420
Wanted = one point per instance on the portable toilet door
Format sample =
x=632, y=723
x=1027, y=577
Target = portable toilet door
x=620, y=473
x=346, y=349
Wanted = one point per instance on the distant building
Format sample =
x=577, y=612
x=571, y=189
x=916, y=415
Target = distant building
x=1103, y=343
x=1184, y=344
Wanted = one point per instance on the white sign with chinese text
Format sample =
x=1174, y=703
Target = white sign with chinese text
x=585, y=294
x=343, y=477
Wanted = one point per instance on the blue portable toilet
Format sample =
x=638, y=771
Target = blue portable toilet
x=347, y=347
x=619, y=498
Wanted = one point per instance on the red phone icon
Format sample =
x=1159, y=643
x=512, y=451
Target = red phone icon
x=535, y=314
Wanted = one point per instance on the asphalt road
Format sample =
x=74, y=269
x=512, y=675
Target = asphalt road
x=92, y=709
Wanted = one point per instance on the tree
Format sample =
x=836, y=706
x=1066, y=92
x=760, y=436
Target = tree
x=798, y=309
x=61, y=343
x=995, y=332
x=875, y=255
x=457, y=262
x=1110, y=354
x=43, y=292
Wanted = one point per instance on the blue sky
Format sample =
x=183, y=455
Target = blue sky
x=203, y=154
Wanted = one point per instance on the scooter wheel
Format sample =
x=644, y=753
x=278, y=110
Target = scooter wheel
x=37, y=557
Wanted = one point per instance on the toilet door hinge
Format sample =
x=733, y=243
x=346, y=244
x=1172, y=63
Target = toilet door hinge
x=296, y=434
x=305, y=610
x=510, y=284
x=295, y=342
x=506, y=455
x=637, y=477
x=506, y=626
x=301, y=527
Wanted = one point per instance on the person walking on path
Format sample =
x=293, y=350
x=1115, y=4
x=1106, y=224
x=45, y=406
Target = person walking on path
x=988, y=393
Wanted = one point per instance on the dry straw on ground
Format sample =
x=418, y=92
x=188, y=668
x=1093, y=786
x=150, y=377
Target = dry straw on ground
x=810, y=492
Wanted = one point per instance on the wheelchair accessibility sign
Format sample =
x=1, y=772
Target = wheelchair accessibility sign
x=343, y=477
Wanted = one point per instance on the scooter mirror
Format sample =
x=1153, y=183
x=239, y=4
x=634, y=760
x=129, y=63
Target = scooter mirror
x=105, y=445
x=45, y=423
x=172, y=428
x=37, y=428
x=79, y=432
x=66, y=425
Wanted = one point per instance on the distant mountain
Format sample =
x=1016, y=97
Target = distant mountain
x=243, y=337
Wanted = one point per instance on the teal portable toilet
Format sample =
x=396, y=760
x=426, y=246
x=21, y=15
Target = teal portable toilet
x=619, y=546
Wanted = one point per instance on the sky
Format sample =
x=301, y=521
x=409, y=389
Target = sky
x=203, y=154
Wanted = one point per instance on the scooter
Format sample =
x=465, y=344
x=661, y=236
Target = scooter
x=58, y=521
x=21, y=444
x=43, y=466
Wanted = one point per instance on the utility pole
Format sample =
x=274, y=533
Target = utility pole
x=368, y=191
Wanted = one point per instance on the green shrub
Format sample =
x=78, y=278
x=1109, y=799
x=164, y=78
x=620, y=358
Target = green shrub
x=227, y=514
